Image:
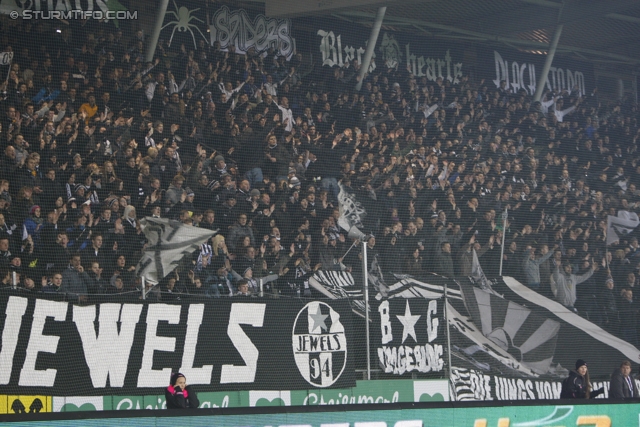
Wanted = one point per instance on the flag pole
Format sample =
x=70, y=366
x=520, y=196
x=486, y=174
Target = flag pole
x=9, y=72
x=505, y=215
x=350, y=247
x=446, y=316
x=365, y=271
x=606, y=245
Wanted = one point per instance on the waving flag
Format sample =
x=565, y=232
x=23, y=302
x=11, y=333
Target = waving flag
x=169, y=241
x=359, y=208
x=352, y=213
x=528, y=337
x=477, y=274
x=621, y=225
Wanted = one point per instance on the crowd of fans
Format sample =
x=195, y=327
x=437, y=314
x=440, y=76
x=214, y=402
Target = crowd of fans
x=254, y=146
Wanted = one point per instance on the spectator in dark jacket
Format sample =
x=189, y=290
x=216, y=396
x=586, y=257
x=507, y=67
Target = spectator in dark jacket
x=179, y=395
x=622, y=385
x=444, y=263
x=608, y=307
x=75, y=281
x=578, y=385
x=277, y=158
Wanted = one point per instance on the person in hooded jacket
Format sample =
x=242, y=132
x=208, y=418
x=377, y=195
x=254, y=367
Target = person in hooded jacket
x=577, y=385
x=564, y=283
x=179, y=395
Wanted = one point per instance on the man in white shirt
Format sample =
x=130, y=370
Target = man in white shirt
x=228, y=90
x=151, y=87
x=287, y=114
x=271, y=88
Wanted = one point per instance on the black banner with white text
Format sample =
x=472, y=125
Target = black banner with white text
x=521, y=72
x=56, y=347
x=409, y=336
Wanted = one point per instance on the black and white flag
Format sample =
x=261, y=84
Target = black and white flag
x=352, y=212
x=339, y=285
x=168, y=242
x=621, y=225
x=528, y=338
x=478, y=276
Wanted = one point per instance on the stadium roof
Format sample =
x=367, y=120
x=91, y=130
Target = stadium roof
x=606, y=31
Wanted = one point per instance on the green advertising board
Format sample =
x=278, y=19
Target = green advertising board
x=233, y=399
x=593, y=415
x=365, y=392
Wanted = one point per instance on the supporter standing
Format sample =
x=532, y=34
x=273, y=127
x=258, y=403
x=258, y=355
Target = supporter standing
x=531, y=267
x=623, y=385
x=578, y=385
x=565, y=282
x=75, y=282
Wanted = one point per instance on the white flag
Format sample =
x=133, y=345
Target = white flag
x=169, y=241
x=6, y=58
x=477, y=274
x=621, y=225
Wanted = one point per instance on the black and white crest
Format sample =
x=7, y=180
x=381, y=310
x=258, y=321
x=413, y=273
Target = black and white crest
x=319, y=344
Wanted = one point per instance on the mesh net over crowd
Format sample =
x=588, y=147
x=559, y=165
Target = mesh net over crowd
x=257, y=150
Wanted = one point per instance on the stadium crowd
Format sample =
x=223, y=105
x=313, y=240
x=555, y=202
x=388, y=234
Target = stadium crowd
x=254, y=146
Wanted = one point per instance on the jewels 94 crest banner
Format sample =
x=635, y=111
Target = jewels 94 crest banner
x=57, y=348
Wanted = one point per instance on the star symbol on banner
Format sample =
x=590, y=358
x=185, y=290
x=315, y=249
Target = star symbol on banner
x=318, y=320
x=408, y=322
